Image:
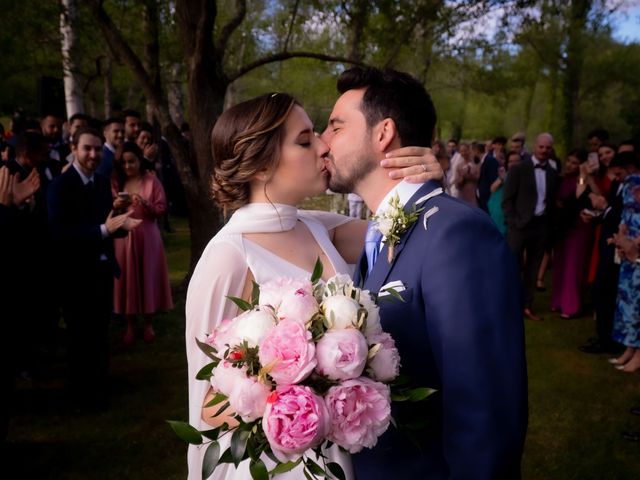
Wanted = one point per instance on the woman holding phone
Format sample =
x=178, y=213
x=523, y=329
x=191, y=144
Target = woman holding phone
x=143, y=287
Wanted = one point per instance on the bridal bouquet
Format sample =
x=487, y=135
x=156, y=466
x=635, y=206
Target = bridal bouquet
x=306, y=365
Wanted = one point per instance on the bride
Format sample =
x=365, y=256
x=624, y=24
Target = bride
x=267, y=159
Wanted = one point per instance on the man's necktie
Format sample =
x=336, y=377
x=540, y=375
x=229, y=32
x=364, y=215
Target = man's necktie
x=543, y=167
x=372, y=245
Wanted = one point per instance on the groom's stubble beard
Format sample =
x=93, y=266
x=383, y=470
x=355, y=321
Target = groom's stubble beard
x=346, y=182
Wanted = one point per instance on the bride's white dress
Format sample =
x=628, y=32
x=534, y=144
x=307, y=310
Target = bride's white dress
x=221, y=272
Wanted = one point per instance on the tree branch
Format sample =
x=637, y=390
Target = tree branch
x=278, y=57
x=294, y=14
x=121, y=48
x=231, y=26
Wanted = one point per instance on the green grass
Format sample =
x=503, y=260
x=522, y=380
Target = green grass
x=578, y=406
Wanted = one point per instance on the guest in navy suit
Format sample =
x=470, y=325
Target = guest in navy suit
x=456, y=331
x=83, y=225
x=113, y=131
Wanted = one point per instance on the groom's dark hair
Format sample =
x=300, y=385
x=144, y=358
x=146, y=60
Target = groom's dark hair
x=396, y=95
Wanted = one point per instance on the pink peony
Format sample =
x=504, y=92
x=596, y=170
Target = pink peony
x=272, y=292
x=249, y=398
x=299, y=305
x=341, y=354
x=218, y=339
x=288, y=352
x=360, y=411
x=385, y=365
x=295, y=420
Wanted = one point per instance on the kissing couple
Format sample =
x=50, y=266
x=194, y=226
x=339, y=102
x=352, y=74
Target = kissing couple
x=459, y=328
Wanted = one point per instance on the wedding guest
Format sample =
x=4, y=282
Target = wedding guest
x=83, y=225
x=626, y=326
x=603, y=183
x=605, y=287
x=517, y=144
x=76, y=121
x=497, y=189
x=132, y=121
x=149, y=148
x=597, y=137
x=467, y=175
x=489, y=171
x=439, y=151
x=113, y=131
x=355, y=205
x=143, y=286
x=573, y=236
x=528, y=204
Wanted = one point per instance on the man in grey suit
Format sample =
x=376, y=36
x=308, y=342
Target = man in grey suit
x=528, y=203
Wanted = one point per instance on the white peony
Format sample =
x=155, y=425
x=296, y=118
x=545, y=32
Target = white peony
x=251, y=326
x=341, y=311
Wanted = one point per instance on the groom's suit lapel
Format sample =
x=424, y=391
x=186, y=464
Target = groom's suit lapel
x=381, y=269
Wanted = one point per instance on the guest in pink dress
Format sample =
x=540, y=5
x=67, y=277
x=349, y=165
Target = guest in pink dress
x=143, y=287
x=467, y=175
x=574, y=236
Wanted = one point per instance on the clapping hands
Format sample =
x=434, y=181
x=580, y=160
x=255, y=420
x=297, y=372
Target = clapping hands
x=116, y=222
x=13, y=191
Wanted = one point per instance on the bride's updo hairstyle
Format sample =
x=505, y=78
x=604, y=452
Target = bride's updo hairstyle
x=246, y=140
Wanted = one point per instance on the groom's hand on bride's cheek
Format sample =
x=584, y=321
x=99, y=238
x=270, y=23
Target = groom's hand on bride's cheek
x=414, y=164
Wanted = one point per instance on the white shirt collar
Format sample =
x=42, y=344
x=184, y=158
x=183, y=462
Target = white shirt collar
x=537, y=162
x=110, y=147
x=83, y=177
x=405, y=191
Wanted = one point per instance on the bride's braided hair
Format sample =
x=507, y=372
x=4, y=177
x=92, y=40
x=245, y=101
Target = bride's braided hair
x=246, y=140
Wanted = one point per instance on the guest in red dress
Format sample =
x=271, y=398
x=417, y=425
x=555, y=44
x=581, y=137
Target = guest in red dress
x=143, y=287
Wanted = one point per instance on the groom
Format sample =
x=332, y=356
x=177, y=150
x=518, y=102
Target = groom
x=459, y=329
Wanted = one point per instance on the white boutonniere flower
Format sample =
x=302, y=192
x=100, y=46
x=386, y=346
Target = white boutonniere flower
x=393, y=222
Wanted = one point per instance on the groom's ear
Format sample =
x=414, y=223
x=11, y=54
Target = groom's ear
x=385, y=134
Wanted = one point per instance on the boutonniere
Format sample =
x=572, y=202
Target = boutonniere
x=393, y=222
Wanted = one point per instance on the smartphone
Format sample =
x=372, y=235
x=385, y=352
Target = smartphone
x=124, y=196
x=592, y=213
x=592, y=161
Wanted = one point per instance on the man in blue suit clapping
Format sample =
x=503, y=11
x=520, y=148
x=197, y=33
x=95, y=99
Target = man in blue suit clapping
x=459, y=329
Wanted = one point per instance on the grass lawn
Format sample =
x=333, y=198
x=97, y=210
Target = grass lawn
x=578, y=406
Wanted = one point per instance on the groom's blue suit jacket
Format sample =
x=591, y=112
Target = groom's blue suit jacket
x=459, y=331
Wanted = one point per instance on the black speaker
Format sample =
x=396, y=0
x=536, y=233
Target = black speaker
x=51, y=96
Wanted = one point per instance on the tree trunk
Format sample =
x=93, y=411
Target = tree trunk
x=108, y=87
x=358, y=22
x=72, y=87
x=174, y=94
x=151, y=58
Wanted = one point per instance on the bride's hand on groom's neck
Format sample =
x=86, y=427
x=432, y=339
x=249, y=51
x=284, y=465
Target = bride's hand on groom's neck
x=413, y=164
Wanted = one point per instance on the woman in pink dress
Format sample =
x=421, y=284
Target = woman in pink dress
x=574, y=236
x=467, y=175
x=143, y=287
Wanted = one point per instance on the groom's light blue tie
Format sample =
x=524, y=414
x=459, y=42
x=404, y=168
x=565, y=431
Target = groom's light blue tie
x=372, y=245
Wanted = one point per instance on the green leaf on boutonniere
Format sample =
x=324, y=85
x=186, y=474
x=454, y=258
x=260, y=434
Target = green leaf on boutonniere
x=258, y=470
x=317, y=271
x=186, y=432
x=241, y=304
x=224, y=406
x=210, y=460
x=226, y=457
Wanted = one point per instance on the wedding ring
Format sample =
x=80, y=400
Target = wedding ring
x=424, y=167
